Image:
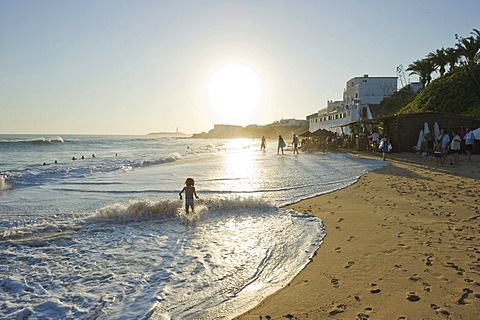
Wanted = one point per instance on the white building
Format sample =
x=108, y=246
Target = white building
x=358, y=94
x=290, y=122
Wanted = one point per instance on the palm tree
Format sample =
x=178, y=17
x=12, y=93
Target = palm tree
x=469, y=49
x=424, y=69
x=439, y=59
x=452, y=57
x=476, y=33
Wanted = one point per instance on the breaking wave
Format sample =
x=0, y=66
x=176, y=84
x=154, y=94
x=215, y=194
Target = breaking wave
x=36, y=141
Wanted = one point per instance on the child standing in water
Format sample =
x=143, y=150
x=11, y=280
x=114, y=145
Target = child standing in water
x=189, y=193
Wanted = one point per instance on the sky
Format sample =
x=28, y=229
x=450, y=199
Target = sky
x=137, y=66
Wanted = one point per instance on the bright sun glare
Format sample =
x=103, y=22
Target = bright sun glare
x=234, y=94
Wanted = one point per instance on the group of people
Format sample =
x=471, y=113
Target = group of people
x=281, y=144
x=93, y=156
x=443, y=146
x=453, y=145
x=75, y=158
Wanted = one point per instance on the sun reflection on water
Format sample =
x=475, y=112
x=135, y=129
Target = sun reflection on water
x=241, y=169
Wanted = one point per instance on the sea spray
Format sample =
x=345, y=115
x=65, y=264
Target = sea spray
x=138, y=210
x=4, y=183
x=108, y=238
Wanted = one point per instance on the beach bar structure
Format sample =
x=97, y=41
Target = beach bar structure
x=404, y=129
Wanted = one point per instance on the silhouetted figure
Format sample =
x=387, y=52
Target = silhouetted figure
x=189, y=190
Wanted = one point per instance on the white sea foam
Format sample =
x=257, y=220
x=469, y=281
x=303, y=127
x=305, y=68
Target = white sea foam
x=3, y=183
x=97, y=241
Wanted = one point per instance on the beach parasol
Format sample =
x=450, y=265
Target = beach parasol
x=305, y=134
x=420, y=139
x=322, y=133
x=436, y=131
x=476, y=132
x=426, y=129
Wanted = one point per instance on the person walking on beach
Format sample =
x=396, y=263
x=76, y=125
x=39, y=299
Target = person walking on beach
x=469, y=141
x=281, y=144
x=189, y=190
x=295, y=143
x=385, y=146
x=263, y=146
x=375, y=138
x=455, y=147
x=445, y=139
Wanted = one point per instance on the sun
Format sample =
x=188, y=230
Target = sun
x=234, y=92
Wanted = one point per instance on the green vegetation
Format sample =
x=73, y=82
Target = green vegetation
x=456, y=90
x=393, y=104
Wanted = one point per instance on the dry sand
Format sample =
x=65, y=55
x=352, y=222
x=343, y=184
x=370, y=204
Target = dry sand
x=402, y=243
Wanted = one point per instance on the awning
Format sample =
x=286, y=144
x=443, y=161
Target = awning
x=305, y=134
x=322, y=133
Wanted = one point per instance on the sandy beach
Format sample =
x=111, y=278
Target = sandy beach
x=402, y=243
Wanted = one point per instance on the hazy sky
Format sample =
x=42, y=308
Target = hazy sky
x=134, y=67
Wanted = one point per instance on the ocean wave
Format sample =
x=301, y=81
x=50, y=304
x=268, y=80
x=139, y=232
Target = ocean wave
x=170, y=158
x=136, y=210
x=141, y=210
x=37, y=234
x=35, y=141
x=39, y=174
x=4, y=185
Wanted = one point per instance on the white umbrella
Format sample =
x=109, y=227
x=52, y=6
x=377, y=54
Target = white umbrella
x=436, y=131
x=476, y=132
x=426, y=129
x=420, y=139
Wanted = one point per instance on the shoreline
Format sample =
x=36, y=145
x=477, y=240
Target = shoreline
x=402, y=243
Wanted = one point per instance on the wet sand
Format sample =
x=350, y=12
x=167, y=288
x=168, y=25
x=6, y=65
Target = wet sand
x=402, y=243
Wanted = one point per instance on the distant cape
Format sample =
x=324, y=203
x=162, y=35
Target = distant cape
x=170, y=134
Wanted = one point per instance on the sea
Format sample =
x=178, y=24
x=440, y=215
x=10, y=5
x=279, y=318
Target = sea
x=92, y=227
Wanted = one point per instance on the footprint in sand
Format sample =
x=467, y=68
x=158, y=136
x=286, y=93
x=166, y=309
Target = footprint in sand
x=460, y=271
x=335, y=283
x=414, y=277
x=427, y=287
x=351, y=238
x=465, y=299
x=338, y=309
x=338, y=249
x=413, y=297
x=349, y=264
x=375, y=290
x=364, y=315
x=428, y=261
x=439, y=310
